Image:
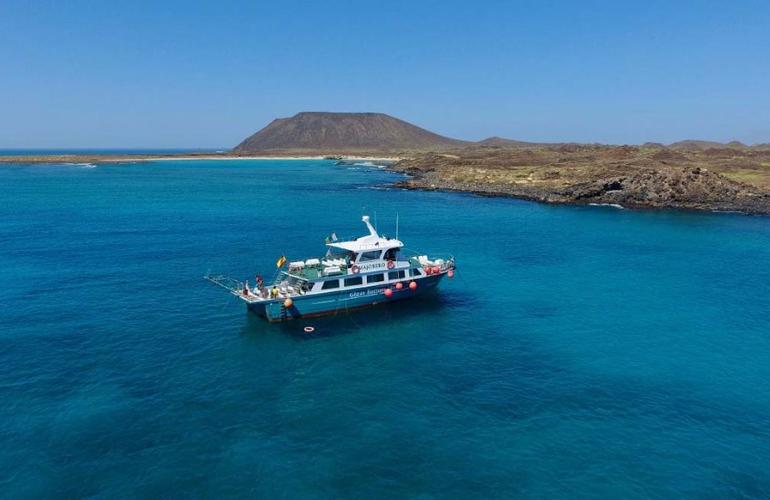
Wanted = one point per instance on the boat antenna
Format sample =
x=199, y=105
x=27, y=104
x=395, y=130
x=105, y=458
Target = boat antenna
x=375, y=221
x=396, y=225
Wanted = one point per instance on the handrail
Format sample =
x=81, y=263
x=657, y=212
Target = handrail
x=226, y=282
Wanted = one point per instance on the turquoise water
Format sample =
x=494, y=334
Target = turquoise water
x=102, y=151
x=579, y=352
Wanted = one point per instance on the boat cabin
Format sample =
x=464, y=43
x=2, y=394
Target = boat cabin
x=366, y=249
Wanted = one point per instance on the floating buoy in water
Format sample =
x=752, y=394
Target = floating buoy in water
x=451, y=273
x=309, y=329
x=399, y=285
x=388, y=292
x=413, y=285
x=288, y=303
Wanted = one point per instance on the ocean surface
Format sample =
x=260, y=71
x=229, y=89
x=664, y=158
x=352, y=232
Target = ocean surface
x=97, y=151
x=578, y=352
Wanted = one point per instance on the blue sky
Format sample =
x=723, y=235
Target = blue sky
x=207, y=74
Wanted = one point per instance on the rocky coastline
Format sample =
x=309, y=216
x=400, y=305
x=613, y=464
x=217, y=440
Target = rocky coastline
x=630, y=177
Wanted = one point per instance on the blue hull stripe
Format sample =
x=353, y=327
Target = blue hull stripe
x=342, y=300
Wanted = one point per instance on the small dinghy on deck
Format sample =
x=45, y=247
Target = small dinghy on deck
x=353, y=274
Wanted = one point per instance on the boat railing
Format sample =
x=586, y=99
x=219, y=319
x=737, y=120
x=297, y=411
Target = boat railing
x=245, y=291
x=233, y=285
x=316, y=268
x=443, y=262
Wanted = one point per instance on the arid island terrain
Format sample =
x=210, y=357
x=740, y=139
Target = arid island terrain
x=716, y=178
x=697, y=175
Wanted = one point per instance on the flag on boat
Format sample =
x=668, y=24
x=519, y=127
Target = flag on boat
x=334, y=236
x=331, y=238
x=280, y=262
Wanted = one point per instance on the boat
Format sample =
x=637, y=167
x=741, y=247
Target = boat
x=353, y=274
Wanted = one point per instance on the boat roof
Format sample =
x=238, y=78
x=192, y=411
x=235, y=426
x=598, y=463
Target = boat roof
x=371, y=241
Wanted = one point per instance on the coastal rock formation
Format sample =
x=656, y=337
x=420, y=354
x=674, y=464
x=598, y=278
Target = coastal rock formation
x=324, y=132
x=584, y=174
x=681, y=187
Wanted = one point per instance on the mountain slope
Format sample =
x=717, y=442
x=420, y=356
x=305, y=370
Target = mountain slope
x=694, y=145
x=499, y=142
x=327, y=132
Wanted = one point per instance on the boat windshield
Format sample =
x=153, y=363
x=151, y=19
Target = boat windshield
x=338, y=253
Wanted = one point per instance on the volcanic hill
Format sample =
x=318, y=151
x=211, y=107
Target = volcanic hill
x=341, y=132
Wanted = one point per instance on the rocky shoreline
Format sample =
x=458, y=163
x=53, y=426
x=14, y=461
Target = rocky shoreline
x=599, y=176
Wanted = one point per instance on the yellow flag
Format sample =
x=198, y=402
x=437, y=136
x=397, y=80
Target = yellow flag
x=281, y=261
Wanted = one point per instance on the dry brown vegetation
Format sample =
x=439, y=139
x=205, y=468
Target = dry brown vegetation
x=725, y=178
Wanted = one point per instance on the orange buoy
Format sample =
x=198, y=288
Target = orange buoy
x=288, y=303
x=413, y=285
x=436, y=270
x=451, y=273
x=388, y=292
x=399, y=285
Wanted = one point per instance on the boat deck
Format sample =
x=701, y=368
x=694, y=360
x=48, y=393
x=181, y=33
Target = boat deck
x=314, y=272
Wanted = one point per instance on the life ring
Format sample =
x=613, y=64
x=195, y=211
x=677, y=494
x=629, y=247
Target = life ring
x=355, y=269
x=309, y=329
x=391, y=264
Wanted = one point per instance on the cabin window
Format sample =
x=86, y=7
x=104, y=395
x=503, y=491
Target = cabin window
x=391, y=254
x=330, y=284
x=415, y=272
x=354, y=281
x=396, y=275
x=375, y=278
x=373, y=255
